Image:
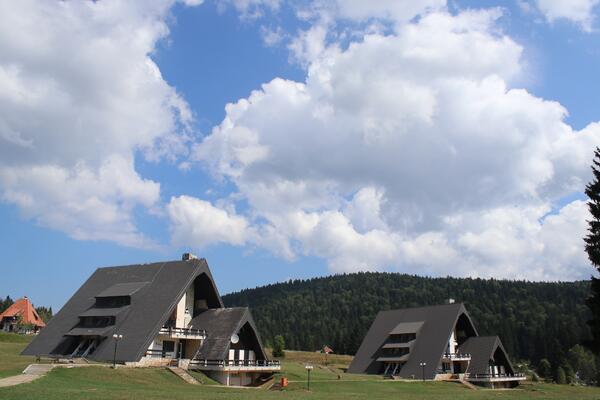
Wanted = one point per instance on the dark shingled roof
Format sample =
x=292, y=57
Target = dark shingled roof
x=122, y=289
x=482, y=350
x=220, y=324
x=103, y=312
x=154, y=289
x=407, y=327
x=89, y=331
x=434, y=333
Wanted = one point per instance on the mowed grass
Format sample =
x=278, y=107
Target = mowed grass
x=327, y=382
x=11, y=363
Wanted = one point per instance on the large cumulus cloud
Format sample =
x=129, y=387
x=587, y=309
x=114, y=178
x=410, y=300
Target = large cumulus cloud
x=412, y=150
x=79, y=97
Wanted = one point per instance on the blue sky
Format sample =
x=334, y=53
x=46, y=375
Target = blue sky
x=325, y=164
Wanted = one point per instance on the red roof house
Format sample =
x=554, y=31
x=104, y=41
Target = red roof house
x=21, y=311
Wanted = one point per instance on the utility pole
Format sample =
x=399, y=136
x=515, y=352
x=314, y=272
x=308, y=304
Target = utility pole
x=117, y=338
x=308, y=369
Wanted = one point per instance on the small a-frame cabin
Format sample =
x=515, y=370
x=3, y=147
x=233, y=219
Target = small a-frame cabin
x=21, y=314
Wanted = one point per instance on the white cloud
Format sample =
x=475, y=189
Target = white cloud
x=272, y=36
x=79, y=97
x=326, y=17
x=395, y=10
x=198, y=223
x=308, y=45
x=251, y=9
x=88, y=203
x=411, y=151
x=580, y=12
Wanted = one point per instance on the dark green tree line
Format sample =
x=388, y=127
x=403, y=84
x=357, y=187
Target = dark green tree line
x=4, y=304
x=535, y=320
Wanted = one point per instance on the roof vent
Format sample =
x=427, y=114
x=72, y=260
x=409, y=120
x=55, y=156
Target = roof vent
x=188, y=256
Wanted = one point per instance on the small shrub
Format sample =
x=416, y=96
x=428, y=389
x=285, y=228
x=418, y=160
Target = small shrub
x=278, y=346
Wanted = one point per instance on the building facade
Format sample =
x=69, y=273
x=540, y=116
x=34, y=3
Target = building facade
x=21, y=317
x=159, y=314
x=436, y=342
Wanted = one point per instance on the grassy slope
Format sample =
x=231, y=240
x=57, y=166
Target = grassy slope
x=105, y=383
x=11, y=363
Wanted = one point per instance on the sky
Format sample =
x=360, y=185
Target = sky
x=287, y=140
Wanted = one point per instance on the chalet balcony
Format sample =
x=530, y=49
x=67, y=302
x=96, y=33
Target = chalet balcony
x=494, y=377
x=456, y=357
x=236, y=365
x=182, y=333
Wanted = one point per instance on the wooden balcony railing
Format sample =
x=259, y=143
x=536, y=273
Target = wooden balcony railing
x=490, y=377
x=457, y=356
x=243, y=364
x=182, y=332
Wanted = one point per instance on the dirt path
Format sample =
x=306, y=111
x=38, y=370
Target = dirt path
x=31, y=373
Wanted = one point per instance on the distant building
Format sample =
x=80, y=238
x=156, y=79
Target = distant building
x=21, y=317
x=168, y=313
x=436, y=342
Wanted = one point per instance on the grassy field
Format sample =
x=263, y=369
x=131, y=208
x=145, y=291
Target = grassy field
x=11, y=362
x=327, y=382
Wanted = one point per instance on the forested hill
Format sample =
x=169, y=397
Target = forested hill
x=534, y=320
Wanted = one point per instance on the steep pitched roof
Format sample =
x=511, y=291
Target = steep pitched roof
x=483, y=349
x=434, y=325
x=152, y=302
x=122, y=289
x=220, y=324
x=25, y=310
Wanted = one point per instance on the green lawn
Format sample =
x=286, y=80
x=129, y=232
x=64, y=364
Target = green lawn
x=11, y=363
x=148, y=384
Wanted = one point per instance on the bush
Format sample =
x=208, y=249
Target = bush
x=545, y=369
x=570, y=374
x=278, y=346
x=583, y=363
x=561, y=376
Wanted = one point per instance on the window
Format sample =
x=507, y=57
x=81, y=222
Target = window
x=113, y=302
x=402, y=338
x=397, y=352
x=96, y=322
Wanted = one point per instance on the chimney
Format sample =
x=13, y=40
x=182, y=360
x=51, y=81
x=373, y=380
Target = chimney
x=188, y=257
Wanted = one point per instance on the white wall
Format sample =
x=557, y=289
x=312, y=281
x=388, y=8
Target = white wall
x=189, y=305
x=185, y=303
x=157, y=345
x=452, y=343
x=241, y=379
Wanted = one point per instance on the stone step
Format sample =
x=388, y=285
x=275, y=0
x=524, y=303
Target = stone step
x=38, y=369
x=183, y=374
x=468, y=384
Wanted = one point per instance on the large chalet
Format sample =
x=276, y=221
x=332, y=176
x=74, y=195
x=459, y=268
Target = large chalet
x=436, y=342
x=166, y=313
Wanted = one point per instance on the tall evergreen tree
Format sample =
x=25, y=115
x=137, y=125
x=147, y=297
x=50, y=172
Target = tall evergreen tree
x=45, y=313
x=4, y=304
x=592, y=247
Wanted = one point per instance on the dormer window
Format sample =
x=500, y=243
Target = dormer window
x=113, y=302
